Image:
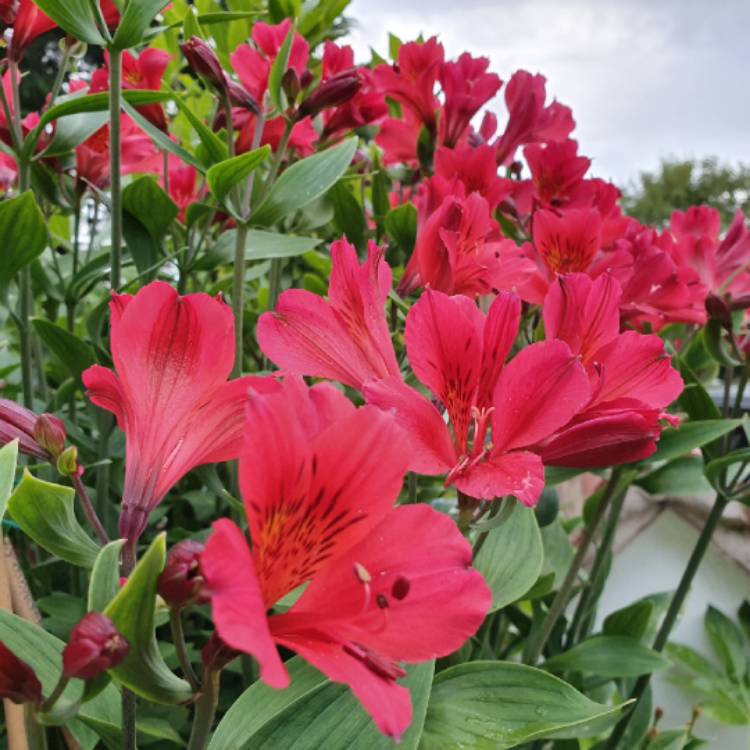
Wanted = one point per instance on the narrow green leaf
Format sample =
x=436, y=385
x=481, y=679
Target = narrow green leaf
x=305, y=181
x=348, y=217
x=631, y=621
x=226, y=175
x=715, y=469
x=105, y=576
x=214, y=146
x=681, y=476
x=135, y=21
x=45, y=512
x=727, y=641
x=511, y=557
x=558, y=555
x=609, y=656
x=76, y=17
x=672, y=739
x=494, y=705
x=23, y=234
x=688, y=658
x=160, y=138
x=73, y=130
x=132, y=611
x=260, y=245
x=401, y=226
x=75, y=354
x=278, y=68
x=8, y=460
x=691, y=435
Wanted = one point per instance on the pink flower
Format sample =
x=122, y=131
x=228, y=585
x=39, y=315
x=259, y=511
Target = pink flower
x=143, y=72
x=184, y=187
x=467, y=87
x=95, y=645
x=632, y=378
x=386, y=585
x=411, y=82
x=169, y=392
x=28, y=22
x=345, y=338
x=459, y=355
x=529, y=120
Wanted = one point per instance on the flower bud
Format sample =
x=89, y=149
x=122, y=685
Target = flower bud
x=49, y=432
x=718, y=310
x=203, y=61
x=18, y=683
x=290, y=84
x=331, y=93
x=95, y=646
x=238, y=97
x=216, y=654
x=8, y=11
x=181, y=582
x=67, y=462
x=17, y=422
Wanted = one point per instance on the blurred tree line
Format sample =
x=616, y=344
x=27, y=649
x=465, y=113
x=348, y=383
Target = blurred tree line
x=680, y=184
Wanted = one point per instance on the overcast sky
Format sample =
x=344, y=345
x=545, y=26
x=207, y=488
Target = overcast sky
x=644, y=79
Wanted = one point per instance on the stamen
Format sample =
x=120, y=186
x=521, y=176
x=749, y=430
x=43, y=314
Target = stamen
x=384, y=668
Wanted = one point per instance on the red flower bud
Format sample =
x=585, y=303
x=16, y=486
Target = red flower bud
x=290, y=84
x=203, y=61
x=95, y=646
x=181, y=582
x=719, y=310
x=305, y=79
x=18, y=682
x=238, y=97
x=49, y=432
x=331, y=93
x=216, y=654
x=8, y=11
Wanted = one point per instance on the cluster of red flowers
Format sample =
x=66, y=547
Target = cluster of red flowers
x=484, y=408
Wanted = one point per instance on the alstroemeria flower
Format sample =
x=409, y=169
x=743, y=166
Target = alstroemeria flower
x=386, y=585
x=345, y=338
x=169, y=391
x=28, y=22
x=143, y=72
x=632, y=378
x=459, y=354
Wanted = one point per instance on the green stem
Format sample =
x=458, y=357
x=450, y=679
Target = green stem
x=59, y=689
x=279, y=155
x=238, y=297
x=129, y=708
x=673, y=612
x=599, y=568
x=60, y=77
x=104, y=424
x=205, y=710
x=88, y=509
x=115, y=145
x=537, y=641
x=35, y=732
x=178, y=638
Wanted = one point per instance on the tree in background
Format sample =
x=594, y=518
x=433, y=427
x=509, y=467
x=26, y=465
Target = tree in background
x=680, y=184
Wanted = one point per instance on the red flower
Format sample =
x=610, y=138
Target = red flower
x=143, y=72
x=556, y=172
x=460, y=251
x=18, y=683
x=529, y=121
x=41, y=436
x=386, y=585
x=181, y=582
x=411, y=82
x=459, y=355
x=632, y=378
x=28, y=23
x=467, y=87
x=568, y=242
x=94, y=646
x=345, y=338
x=184, y=187
x=398, y=138
x=169, y=391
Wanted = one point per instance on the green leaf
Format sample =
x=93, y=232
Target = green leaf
x=681, y=476
x=558, y=555
x=401, y=226
x=45, y=512
x=695, y=399
x=493, y=705
x=688, y=658
x=23, y=235
x=105, y=576
x=226, y=175
x=609, y=656
x=511, y=557
x=75, y=354
x=348, y=217
x=214, y=146
x=135, y=21
x=73, y=130
x=305, y=181
x=278, y=68
x=132, y=611
x=672, y=739
x=632, y=621
x=715, y=470
x=313, y=713
x=75, y=17
x=160, y=138
x=8, y=460
x=677, y=442
x=259, y=245
x=727, y=641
